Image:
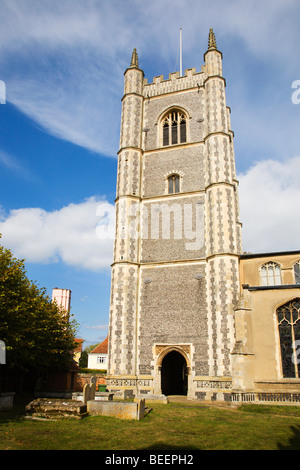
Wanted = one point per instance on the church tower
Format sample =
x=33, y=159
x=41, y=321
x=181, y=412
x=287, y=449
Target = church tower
x=175, y=273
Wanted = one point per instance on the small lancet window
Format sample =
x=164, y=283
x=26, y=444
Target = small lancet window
x=174, y=128
x=173, y=184
x=270, y=274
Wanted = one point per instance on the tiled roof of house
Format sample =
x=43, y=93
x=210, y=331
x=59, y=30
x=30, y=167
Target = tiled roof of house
x=79, y=342
x=102, y=348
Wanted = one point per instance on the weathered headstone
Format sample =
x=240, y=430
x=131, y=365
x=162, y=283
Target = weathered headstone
x=92, y=390
x=86, y=393
x=89, y=391
x=93, y=380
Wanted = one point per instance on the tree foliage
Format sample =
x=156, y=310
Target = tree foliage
x=36, y=332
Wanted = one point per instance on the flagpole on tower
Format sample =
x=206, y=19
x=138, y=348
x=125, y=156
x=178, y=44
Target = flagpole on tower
x=180, y=53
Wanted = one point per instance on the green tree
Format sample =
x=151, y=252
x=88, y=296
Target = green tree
x=83, y=361
x=37, y=334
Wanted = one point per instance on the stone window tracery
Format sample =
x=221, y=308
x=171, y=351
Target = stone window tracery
x=174, y=128
x=288, y=317
x=270, y=274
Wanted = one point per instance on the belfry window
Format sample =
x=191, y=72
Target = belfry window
x=174, y=128
x=270, y=274
x=297, y=272
x=173, y=184
x=288, y=317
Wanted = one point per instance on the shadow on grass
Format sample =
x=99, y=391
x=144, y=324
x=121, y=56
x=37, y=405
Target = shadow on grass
x=294, y=441
x=18, y=411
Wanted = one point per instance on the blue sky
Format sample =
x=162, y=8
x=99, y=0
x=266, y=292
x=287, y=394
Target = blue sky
x=62, y=63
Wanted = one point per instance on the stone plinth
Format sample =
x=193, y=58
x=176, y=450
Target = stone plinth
x=155, y=398
x=121, y=410
x=48, y=408
x=104, y=396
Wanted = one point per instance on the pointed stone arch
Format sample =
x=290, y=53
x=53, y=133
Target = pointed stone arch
x=173, y=128
x=173, y=362
x=163, y=350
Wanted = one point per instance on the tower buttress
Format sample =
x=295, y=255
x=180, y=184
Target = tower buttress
x=222, y=214
x=220, y=175
x=125, y=268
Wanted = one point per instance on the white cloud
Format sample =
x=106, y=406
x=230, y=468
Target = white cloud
x=76, y=112
x=64, y=61
x=68, y=234
x=269, y=205
x=81, y=235
x=69, y=78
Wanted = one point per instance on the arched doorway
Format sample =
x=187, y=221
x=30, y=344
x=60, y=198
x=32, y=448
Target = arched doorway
x=174, y=374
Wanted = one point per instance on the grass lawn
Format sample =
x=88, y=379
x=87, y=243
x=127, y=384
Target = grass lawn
x=175, y=426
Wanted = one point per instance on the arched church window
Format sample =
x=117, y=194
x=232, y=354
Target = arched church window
x=288, y=317
x=173, y=184
x=297, y=272
x=174, y=128
x=270, y=274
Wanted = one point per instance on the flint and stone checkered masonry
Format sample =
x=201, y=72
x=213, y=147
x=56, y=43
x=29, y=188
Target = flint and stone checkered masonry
x=165, y=296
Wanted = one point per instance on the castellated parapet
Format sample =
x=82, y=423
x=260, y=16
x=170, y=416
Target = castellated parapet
x=174, y=83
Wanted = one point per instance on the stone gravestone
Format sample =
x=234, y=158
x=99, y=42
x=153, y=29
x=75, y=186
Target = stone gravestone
x=92, y=388
x=93, y=380
x=86, y=393
x=89, y=390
